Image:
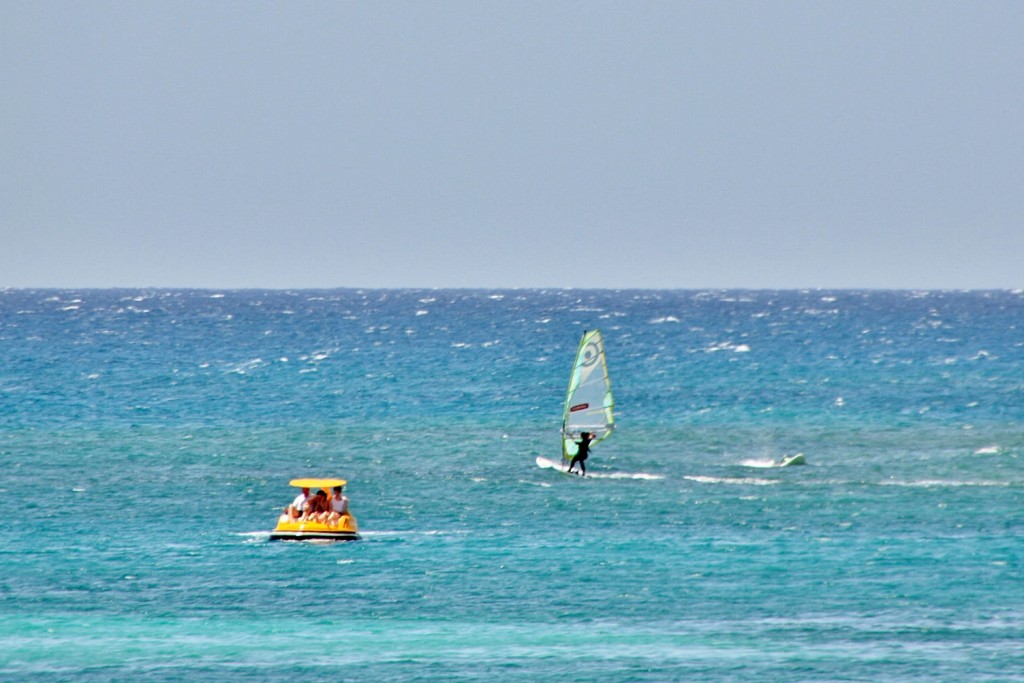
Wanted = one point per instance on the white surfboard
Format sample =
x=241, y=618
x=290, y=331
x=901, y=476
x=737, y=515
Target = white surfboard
x=553, y=465
x=560, y=467
x=797, y=459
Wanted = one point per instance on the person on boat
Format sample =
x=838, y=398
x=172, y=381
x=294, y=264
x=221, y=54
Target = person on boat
x=298, y=506
x=582, y=450
x=317, y=505
x=338, y=506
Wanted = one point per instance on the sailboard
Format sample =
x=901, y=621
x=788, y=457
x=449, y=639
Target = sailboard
x=589, y=406
x=784, y=461
x=563, y=467
x=556, y=465
x=790, y=460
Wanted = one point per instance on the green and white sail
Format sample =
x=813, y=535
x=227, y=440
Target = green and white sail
x=588, y=403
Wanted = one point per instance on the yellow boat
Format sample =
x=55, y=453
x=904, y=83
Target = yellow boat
x=302, y=529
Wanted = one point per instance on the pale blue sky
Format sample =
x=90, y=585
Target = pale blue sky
x=512, y=144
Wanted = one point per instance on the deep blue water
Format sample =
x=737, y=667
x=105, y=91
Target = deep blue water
x=147, y=438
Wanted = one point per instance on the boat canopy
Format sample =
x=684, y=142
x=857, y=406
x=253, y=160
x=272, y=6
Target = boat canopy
x=317, y=483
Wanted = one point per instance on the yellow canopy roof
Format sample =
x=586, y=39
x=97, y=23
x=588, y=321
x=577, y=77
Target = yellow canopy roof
x=317, y=483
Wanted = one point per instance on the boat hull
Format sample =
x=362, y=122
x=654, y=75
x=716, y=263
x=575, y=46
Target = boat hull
x=288, y=529
x=314, y=536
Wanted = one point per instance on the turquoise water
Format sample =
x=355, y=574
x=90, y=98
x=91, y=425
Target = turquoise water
x=147, y=437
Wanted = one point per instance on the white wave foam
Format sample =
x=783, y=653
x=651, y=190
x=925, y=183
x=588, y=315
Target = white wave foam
x=941, y=483
x=409, y=532
x=727, y=346
x=624, y=475
x=987, y=450
x=745, y=481
x=247, y=366
x=544, y=463
x=759, y=463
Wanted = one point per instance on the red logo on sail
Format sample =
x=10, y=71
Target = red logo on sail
x=578, y=407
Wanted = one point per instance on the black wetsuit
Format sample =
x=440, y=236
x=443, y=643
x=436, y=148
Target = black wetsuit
x=582, y=450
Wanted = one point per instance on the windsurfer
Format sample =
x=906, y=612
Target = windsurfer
x=582, y=450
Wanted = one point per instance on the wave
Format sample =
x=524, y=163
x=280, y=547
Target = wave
x=400, y=534
x=760, y=463
x=624, y=475
x=727, y=346
x=744, y=481
x=769, y=463
x=943, y=483
x=544, y=463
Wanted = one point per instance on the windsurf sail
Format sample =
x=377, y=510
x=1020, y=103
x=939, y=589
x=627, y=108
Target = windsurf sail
x=588, y=403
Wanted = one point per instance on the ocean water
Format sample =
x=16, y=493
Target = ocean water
x=147, y=438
